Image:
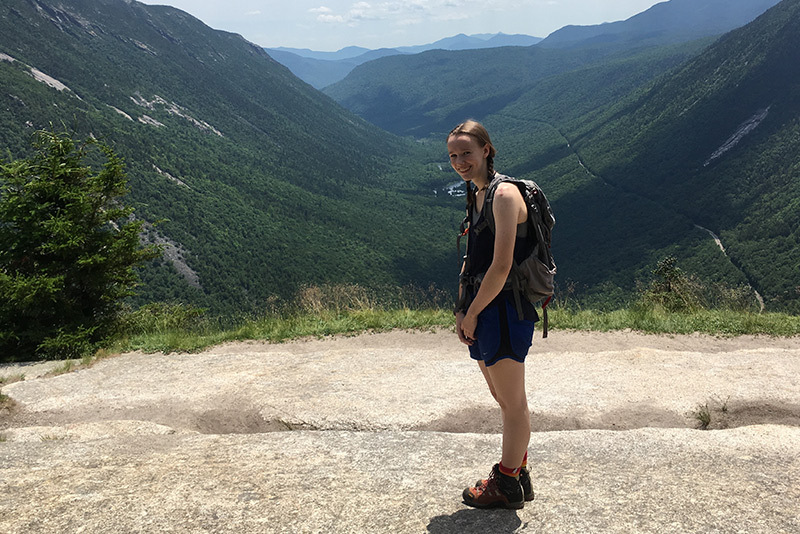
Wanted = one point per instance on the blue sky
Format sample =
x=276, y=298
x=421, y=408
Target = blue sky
x=334, y=24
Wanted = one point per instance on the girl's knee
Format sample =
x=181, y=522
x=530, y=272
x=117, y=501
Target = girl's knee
x=515, y=405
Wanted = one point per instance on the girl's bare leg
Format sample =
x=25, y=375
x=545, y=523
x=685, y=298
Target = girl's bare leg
x=506, y=381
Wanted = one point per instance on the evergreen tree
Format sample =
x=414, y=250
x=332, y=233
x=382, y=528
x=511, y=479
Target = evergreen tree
x=68, y=246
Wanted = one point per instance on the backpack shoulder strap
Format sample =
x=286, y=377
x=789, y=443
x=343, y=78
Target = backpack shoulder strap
x=488, y=202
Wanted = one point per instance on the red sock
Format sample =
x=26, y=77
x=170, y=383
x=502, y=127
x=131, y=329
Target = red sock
x=511, y=472
x=524, y=461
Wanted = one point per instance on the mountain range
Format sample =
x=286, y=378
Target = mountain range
x=259, y=185
x=255, y=183
x=648, y=150
x=675, y=21
x=321, y=69
x=420, y=94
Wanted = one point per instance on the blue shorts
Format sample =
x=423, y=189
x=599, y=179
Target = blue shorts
x=501, y=334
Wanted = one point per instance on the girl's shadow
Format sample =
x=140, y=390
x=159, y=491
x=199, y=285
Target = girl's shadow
x=470, y=521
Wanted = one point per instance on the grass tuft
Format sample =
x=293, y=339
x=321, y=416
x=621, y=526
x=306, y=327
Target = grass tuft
x=66, y=367
x=703, y=416
x=6, y=402
x=10, y=379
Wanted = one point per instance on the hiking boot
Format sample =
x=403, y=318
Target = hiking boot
x=524, y=481
x=497, y=491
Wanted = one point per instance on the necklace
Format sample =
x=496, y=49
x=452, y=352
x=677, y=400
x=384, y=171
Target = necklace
x=486, y=186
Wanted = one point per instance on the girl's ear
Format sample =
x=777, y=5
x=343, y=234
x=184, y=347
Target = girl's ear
x=486, y=151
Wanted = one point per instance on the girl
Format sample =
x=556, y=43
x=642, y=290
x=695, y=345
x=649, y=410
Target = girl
x=486, y=317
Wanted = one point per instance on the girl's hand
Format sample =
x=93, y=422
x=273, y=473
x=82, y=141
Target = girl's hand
x=465, y=326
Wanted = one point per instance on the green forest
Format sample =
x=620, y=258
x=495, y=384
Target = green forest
x=623, y=139
x=257, y=186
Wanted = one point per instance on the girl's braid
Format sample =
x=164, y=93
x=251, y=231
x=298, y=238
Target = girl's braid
x=472, y=191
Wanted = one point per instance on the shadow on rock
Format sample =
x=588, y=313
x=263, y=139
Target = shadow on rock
x=476, y=521
x=718, y=415
x=489, y=420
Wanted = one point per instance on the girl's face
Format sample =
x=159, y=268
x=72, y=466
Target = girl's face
x=468, y=158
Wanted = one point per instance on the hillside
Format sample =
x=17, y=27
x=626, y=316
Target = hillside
x=424, y=94
x=709, y=148
x=258, y=183
x=472, y=42
x=645, y=152
x=719, y=141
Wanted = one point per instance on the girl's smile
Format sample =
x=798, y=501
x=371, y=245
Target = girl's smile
x=468, y=158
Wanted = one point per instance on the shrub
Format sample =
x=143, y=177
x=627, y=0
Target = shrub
x=68, y=246
x=672, y=289
x=675, y=291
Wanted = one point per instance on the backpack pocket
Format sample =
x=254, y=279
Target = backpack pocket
x=538, y=278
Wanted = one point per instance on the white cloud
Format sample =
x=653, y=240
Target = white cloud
x=331, y=18
x=325, y=14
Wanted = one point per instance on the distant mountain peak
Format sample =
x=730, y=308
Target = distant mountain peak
x=665, y=22
x=321, y=69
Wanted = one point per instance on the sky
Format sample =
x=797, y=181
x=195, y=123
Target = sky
x=329, y=25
